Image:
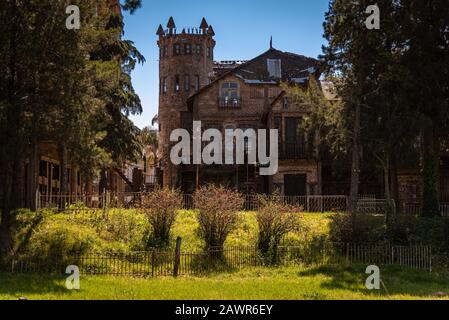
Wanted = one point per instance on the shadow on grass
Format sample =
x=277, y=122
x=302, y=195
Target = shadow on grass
x=396, y=281
x=21, y=285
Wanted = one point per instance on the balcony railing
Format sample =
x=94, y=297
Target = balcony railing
x=293, y=150
x=150, y=179
x=226, y=102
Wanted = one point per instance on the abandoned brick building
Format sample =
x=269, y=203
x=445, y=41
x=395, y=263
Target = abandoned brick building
x=233, y=94
x=248, y=94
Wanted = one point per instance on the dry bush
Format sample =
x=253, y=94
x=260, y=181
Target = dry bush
x=275, y=220
x=160, y=207
x=218, y=213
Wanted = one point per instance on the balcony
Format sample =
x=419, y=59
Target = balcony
x=293, y=151
x=150, y=179
x=229, y=103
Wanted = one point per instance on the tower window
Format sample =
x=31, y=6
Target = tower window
x=177, y=84
x=177, y=49
x=165, y=51
x=198, y=49
x=164, y=85
x=209, y=52
x=187, y=82
x=188, y=48
x=197, y=82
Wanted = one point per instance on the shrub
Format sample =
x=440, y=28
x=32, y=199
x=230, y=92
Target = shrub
x=363, y=228
x=275, y=220
x=60, y=238
x=160, y=208
x=218, y=213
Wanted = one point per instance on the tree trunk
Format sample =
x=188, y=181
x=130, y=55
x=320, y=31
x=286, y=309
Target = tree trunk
x=394, y=182
x=355, y=167
x=125, y=178
x=430, y=171
x=103, y=185
x=10, y=140
x=389, y=206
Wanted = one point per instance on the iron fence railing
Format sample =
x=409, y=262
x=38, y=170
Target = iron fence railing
x=226, y=102
x=415, y=209
x=134, y=200
x=293, y=150
x=156, y=263
x=374, y=206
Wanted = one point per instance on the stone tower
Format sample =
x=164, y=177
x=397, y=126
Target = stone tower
x=185, y=65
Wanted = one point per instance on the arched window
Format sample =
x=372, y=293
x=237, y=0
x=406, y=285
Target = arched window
x=187, y=48
x=177, y=49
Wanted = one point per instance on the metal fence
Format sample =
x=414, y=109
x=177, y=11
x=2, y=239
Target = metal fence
x=133, y=199
x=373, y=206
x=414, y=209
x=155, y=263
x=306, y=203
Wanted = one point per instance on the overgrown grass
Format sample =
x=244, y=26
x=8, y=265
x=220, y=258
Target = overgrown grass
x=121, y=230
x=287, y=283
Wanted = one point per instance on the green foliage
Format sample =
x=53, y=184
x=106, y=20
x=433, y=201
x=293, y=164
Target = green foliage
x=71, y=87
x=275, y=219
x=363, y=229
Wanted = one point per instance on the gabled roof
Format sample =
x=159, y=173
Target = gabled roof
x=294, y=67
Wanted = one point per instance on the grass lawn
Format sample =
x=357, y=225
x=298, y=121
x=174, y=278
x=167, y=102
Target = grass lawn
x=287, y=283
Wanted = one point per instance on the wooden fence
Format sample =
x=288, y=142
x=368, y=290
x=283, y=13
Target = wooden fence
x=155, y=263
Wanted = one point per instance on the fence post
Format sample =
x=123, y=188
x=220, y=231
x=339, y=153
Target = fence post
x=177, y=257
x=153, y=261
x=38, y=200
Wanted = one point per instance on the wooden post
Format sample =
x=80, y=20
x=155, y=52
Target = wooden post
x=177, y=257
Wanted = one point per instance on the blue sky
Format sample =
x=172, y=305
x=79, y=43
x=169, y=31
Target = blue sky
x=243, y=29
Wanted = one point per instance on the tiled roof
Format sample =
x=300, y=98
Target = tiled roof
x=294, y=68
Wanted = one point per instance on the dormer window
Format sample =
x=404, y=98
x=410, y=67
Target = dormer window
x=229, y=94
x=274, y=68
